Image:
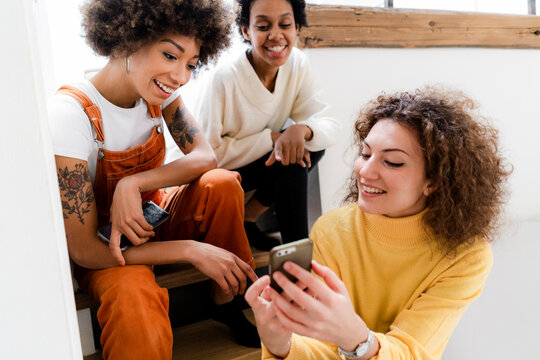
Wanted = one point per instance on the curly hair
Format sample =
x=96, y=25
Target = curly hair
x=461, y=155
x=116, y=28
x=244, y=9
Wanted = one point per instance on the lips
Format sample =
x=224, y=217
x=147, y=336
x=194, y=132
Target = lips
x=164, y=87
x=369, y=189
x=276, y=50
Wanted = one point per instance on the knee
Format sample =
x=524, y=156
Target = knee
x=224, y=182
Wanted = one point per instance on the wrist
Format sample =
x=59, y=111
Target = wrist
x=309, y=133
x=130, y=182
x=281, y=351
x=356, y=334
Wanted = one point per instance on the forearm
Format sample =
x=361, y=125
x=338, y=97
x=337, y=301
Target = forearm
x=179, y=172
x=96, y=255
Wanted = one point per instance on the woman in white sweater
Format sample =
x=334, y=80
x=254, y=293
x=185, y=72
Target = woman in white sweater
x=246, y=105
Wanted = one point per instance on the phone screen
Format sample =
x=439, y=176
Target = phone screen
x=299, y=252
x=153, y=214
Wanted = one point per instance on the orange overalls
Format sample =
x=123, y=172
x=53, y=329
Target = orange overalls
x=133, y=312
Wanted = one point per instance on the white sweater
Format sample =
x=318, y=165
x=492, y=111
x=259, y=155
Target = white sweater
x=237, y=113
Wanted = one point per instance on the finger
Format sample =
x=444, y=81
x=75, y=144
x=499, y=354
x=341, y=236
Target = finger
x=271, y=159
x=223, y=285
x=278, y=151
x=284, y=152
x=241, y=277
x=315, y=285
x=267, y=293
x=140, y=231
x=114, y=246
x=233, y=282
x=307, y=158
x=294, y=311
x=288, y=323
x=132, y=236
x=330, y=278
x=246, y=269
x=300, y=155
x=294, y=293
x=256, y=289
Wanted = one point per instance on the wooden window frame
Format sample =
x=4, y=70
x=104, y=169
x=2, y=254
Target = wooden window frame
x=346, y=26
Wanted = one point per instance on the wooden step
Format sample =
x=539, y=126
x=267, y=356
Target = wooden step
x=171, y=276
x=206, y=340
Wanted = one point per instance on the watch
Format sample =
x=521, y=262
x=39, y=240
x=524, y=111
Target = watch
x=360, y=350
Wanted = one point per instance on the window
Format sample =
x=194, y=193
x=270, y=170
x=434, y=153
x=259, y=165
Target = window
x=515, y=7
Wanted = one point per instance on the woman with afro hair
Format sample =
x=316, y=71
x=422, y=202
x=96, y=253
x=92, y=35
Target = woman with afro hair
x=109, y=150
x=402, y=262
x=246, y=106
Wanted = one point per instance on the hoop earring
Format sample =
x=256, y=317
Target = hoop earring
x=127, y=65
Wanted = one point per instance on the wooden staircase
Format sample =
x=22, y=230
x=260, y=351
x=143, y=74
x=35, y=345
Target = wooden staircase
x=206, y=339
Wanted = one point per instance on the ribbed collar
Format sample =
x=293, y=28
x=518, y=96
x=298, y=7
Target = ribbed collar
x=405, y=232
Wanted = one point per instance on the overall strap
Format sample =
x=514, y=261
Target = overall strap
x=155, y=110
x=91, y=110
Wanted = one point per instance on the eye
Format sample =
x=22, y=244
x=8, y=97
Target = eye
x=262, y=27
x=365, y=156
x=394, y=165
x=285, y=26
x=169, y=56
x=191, y=67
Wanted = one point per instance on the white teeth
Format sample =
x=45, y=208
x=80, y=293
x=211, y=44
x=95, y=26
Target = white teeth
x=371, y=190
x=276, y=48
x=167, y=89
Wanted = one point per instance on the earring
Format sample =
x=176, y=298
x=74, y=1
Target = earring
x=127, y=65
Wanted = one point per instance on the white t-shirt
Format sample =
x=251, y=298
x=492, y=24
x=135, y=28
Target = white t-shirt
x=74, y=136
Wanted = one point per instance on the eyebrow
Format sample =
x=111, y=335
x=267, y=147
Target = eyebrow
x=266, y=17
x=387, y=150
x=178, y=46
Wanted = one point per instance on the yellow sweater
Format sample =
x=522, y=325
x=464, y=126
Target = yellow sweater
x=407, y=292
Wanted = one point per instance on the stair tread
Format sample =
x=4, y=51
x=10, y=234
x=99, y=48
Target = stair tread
x=173, y=275
x=206, y=339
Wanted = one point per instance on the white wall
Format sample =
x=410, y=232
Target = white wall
x=37, y=316
x=503, y=322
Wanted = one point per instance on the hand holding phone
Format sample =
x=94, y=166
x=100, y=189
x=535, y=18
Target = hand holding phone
x=298, y=252
x=153, y=214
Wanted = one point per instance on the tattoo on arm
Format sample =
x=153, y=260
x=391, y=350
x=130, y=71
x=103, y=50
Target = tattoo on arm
x=77, y=191
x=182, y=130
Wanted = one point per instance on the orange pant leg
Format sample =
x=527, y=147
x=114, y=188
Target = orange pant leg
x=210, y=209
x=134, y=312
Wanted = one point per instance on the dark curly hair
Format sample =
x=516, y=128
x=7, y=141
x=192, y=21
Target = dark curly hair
x=116, y=28
x=461, y=155
x=244, y=9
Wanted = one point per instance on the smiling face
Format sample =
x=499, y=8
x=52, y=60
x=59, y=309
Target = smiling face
x=272, y=32
x=391, y=172
x=159, y=68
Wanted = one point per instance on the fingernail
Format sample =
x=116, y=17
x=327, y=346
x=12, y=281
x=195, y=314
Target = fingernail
x=287, y=266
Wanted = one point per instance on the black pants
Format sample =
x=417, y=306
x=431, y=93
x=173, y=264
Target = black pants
x=285, y=187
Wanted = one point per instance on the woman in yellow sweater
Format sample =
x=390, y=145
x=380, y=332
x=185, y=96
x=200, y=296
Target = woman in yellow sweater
x=395, y=270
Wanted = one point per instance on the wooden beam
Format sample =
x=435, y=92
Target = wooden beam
x=343, y=26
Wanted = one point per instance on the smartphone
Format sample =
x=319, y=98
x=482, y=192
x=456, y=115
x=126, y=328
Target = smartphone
x=153, y=214
x=298, y=252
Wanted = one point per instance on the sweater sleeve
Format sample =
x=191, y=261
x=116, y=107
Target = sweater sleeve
x=212, y=113
x=422, y=330
x=310, y=110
